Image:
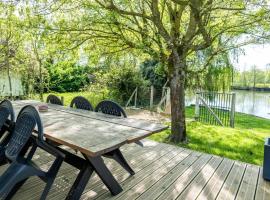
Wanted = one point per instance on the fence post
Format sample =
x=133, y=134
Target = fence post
x=197, y=106
x=151, y=97
x=130, y=98
x=168, y=96
x=136, y=96
x=62, y=100
x=232, y=116
x=164, y=88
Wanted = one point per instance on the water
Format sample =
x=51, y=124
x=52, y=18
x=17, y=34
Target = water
x=249, y=102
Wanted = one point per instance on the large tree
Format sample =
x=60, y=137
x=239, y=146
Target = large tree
x=11, y=42
x=171, y=31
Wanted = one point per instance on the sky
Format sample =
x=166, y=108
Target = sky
x=258, y=55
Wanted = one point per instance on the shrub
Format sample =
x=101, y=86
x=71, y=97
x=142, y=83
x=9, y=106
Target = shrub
x=122, y=81
x=68, y=77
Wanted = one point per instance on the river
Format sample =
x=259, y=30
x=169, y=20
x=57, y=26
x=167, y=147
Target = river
x=249, y=102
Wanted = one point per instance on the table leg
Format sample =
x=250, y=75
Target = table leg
x=80, y=183
x=118, y=157
x=87, y=166
x=105, y=175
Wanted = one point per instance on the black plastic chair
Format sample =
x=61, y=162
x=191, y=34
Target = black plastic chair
x=54, y=100
x=80, y=102
x=7, y=118
x=22, y=167
x=110, y=108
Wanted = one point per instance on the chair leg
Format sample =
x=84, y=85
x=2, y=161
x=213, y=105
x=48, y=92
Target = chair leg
x=139, y=143
x=2, y=131
x=50, y=175
x=3, y=159
x=15, y=189
x=118, y=157
x=47, y=188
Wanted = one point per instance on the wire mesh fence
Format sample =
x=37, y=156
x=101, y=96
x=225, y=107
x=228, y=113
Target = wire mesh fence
x=147, y=98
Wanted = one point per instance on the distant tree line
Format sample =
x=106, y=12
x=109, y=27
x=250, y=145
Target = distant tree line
x=253, y=77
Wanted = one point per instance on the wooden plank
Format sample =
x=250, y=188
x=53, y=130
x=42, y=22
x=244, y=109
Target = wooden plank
x=92, y=137
x=157, y=169
x=130, y=122
x=211, y=190
x=95, y=188
x=162, y=171
x=196, y=186
x=135, y=156
x=140, y=188
x=263, y=188
x=233, y=181
x=161, y=185
x=249, y=183
x=54, y=116
x=67, y=175
x=185, y=179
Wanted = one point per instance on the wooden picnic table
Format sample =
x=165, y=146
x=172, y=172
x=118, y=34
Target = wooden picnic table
x=95, y=135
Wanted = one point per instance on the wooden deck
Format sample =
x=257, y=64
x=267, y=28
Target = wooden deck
x=162, y=172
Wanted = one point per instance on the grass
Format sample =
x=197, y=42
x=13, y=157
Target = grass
x=244, y=142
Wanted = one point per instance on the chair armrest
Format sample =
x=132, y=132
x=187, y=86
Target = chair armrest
x=50, y=149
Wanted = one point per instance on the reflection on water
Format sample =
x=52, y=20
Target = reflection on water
x=249, y=102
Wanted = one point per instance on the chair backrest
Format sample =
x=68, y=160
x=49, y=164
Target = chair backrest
x=54, y=100
x=110, y=108
x=27, y=120
x=6, y=108
x=80, y=102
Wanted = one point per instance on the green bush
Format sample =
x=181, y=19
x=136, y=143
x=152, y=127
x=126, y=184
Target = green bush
x=122, y=81
x=68, y=77
x=154, y=72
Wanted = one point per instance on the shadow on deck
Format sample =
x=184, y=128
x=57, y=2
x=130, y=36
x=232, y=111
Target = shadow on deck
x=162, y=172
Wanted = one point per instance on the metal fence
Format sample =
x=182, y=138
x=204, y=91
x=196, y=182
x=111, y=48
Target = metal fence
x=215, y=108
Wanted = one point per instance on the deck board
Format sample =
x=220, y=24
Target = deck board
x=162, y=172
x=185, y=179
x=196, y=186
x=211, y=190
x=248, y=186
x=263, y=188
x=233, y=181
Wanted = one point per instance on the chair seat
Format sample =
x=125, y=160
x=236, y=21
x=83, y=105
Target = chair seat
x=16, y=173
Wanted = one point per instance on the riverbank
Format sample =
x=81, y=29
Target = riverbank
x=258, y=89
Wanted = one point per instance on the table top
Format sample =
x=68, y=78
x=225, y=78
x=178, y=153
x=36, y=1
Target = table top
x=100, y=133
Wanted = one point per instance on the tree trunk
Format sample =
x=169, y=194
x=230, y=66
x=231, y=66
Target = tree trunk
x=7, y=63
x=41, y=86
x=9, y=81
x=177, y=86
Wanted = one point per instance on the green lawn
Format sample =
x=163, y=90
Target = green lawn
x=244, y=142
